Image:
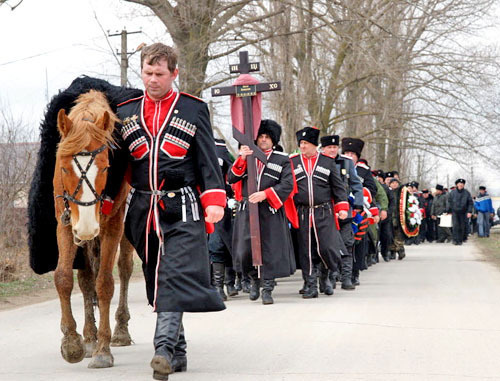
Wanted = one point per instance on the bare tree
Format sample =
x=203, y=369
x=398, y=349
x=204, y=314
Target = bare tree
x=17, y=160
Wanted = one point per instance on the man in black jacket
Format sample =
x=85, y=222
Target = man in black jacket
x=352, y=147
x=274, y=185
x=460, y=205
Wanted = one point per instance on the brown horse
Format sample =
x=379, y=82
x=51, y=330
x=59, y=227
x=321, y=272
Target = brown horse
x=79, y=180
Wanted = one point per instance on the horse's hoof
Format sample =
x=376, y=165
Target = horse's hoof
x=72, y=348
x=101, y=361
x=121, y=339
x=90, y=348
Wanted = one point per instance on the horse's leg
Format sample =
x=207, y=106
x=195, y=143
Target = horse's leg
x=72, y=348
x=102, y=357
x=86, y=280
x=121, y=335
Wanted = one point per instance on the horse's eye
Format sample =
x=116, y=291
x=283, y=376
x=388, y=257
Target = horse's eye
x=105, y=169
x=64, y=170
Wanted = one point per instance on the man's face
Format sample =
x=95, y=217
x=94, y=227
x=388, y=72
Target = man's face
x=157, y=79
x=482, y=191
x=331, y=150
x=380, y=179
x=394, y=185
x=264, y=142
x=307, y=149
x=388, y=181
x=460, y=186
x=352, y=155
x=425, y=195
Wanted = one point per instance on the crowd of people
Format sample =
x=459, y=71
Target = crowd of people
x=321, y=210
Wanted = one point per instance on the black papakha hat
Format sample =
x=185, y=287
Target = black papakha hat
x=425, y=190
x=389, y=174
x=309, y=134
x=271, y=128
x=381, y=173
x=459, y=181
x=482, y=187
x=330, y=140
x=414, y=184
x=439, y=187
x=353, y=145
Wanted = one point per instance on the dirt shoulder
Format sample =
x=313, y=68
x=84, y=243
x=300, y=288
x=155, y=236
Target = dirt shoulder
x=490, y=247
x=31, y=288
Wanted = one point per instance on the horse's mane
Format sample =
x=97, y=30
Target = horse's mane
x=89, y=108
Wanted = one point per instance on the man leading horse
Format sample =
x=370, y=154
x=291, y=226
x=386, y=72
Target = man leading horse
x=167, y=141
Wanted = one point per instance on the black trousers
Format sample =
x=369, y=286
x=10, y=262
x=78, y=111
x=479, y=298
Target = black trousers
x=459, y=221
x=385, y=234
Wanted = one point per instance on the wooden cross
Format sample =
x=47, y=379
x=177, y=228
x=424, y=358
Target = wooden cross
x=246, y=92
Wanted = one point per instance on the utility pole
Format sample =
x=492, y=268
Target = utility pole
x=473, y=186
x=124, y=55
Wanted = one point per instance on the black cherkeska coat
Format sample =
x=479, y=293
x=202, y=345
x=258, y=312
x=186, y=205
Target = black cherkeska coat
x=276, y=180
x=321, y=194
x=224, y=227
x=167, y=229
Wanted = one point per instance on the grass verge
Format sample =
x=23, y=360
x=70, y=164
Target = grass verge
x=490, y=247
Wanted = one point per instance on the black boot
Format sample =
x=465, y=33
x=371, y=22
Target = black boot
x=254, y=289
x=392, y=254
x=230, y=281
x=179, y=361
x=304, y=286
x=325, y=285
x=267, y=289
x=218, y=270
x=312, y=284
x=401, y=254
x=168, y=327
x=346, y=274
x=237, y=284
x=334, y=278
x=245, y=284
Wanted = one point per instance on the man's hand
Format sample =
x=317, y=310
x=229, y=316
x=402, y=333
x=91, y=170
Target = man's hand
x=342, y=215
x=245, y=151
x=469, y=215
x=383, y=214
x=376, y=219
x=434, y=217
x=257, y=197
x=214, y=213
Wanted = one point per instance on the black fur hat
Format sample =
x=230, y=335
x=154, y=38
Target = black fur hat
x=482, y=187
x=42, y=223
x=460, y=181
x=439, y=187
x=353, y=145
x=414, y=184
x=330, y=140
x=309, y=134
x=271, y=128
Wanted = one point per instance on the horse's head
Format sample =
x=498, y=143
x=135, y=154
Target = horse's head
x=82, y=164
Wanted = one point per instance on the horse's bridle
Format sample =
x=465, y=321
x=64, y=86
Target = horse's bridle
x=83, y=177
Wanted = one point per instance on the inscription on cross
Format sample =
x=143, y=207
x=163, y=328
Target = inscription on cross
x=246, y=92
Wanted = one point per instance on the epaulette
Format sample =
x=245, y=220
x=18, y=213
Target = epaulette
x=293, y=155
x=363, y=166
x=346, y=157
x=192, y=96
x=130, y=100
x=322, y=154
x=280, y=153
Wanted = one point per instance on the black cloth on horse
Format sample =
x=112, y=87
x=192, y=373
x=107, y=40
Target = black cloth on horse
x=42, y=222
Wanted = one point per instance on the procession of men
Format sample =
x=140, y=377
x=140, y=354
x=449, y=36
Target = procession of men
x=209, y=226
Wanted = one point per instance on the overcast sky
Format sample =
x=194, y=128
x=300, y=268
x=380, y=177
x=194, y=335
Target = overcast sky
x=46, y=44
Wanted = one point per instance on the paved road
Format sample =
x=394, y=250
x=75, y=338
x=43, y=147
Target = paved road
x=433, y=316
